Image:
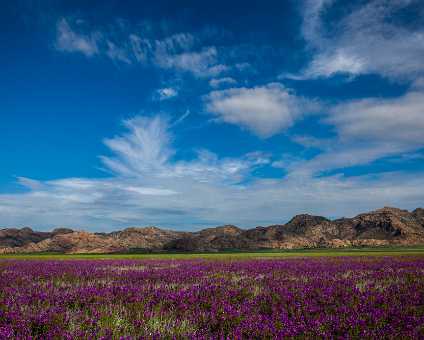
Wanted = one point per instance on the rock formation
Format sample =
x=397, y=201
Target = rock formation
x=386, y=226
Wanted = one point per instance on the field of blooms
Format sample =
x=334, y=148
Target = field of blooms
x=342, y=297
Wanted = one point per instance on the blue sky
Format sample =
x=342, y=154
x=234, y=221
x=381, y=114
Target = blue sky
x=141, y=113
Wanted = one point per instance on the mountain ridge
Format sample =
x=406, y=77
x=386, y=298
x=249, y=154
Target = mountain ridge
x=385, y=226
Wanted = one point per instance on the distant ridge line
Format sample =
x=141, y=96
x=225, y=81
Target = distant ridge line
x=381, y=227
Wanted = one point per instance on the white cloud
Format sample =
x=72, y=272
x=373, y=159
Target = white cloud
x=140, y=48
x=30, y=183
x=312, y=23
x=166, y=93
x=68, y=40
x=181, y=118
x=391, y=120
x=367, y=40
x=367, y=130
x=180, y=52
x=311, y=142
x=116, y=53
x=338, y=62
x=201, y=64
x=264, y=110
x=148, y=187
x=144, y=149
x=217, y=82
x=174, y=44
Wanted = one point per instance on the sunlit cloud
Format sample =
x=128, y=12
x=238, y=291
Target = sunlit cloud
x=366, y=40
x=148, y=186
x=264, y=110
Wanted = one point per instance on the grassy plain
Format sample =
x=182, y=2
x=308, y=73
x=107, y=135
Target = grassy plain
x=375, y=251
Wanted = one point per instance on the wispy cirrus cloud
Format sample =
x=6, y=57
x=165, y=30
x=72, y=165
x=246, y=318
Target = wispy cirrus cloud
x=218, y=82
x=148, y=186
x=180, y=52
x=68, y=40
x=117, y=53
x=366, y=40
x=146, y=151
x=368, y=130
x=202, y=63
x=370, y=38
x=151, y=183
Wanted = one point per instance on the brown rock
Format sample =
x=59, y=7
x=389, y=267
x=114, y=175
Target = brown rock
x=386, y=226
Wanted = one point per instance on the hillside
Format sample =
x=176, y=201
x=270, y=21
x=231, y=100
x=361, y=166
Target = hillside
x=386, y=226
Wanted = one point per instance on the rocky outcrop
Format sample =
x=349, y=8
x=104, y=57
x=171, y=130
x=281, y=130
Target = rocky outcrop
x=14, y=237
x=75, y=242
x=211, y=239
x=386, y=226
x=130, y=239
x=419, y=215
x=147, y=239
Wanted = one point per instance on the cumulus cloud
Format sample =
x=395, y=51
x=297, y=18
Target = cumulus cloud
x=264, y=110
x=367, y=40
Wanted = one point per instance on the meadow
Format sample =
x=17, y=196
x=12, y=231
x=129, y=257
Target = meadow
x=258, y=295
x=233, y=254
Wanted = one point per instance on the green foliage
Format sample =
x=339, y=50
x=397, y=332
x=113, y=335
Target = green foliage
x=268, y=253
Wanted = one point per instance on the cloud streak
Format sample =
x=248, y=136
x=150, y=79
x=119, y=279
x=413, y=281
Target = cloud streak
x=148, y=187
x=67, y=40
x=178, y=52
x=367, y=130
x=367, y=40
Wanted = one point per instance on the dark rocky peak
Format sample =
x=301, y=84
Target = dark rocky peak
x=13, y=237
x=149, y=231
x=390, y=210
x=386, y=214
x=58, y=231
x=419, y=215
x=225, y=230
x=300, y=223
x=386, y=222
x=418, y=212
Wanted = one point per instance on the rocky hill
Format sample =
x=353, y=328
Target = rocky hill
x=386, y=226
x=13, y=237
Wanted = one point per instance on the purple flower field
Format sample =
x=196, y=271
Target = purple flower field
x=343, y=297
